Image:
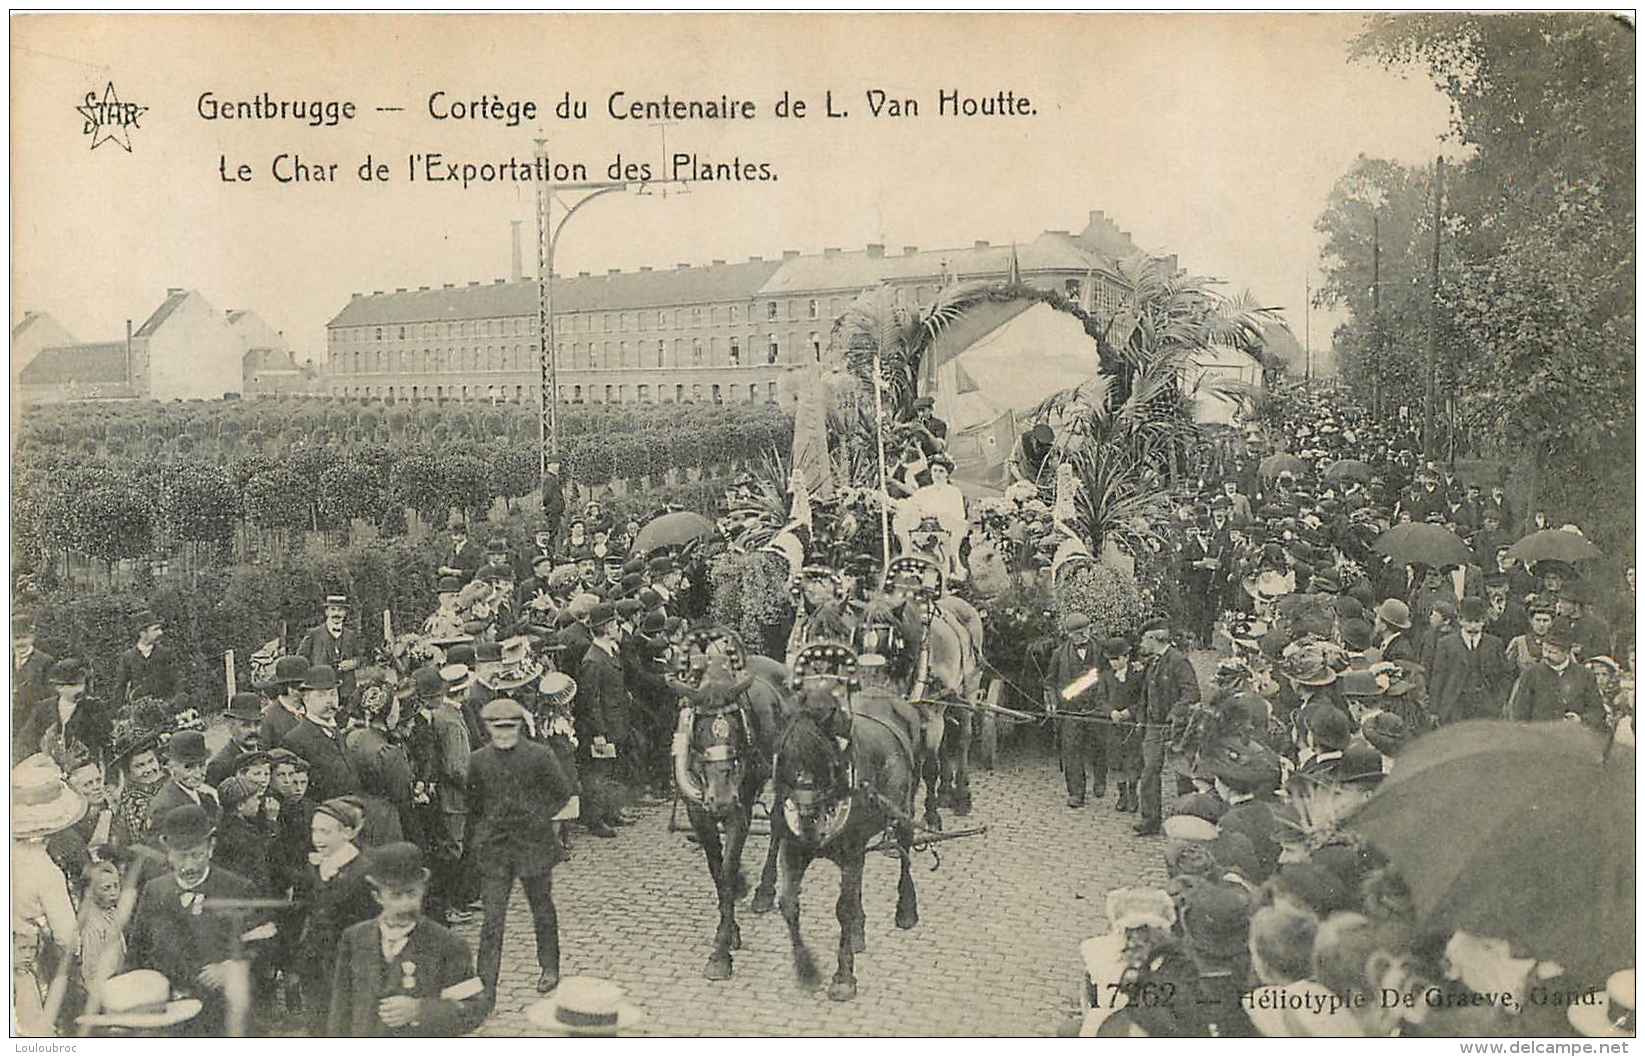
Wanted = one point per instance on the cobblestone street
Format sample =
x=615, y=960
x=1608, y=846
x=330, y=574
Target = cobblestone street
x=995, y=951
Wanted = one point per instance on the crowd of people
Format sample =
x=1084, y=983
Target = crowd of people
x=1333, y=659
x=356, y=791
x=304, y=876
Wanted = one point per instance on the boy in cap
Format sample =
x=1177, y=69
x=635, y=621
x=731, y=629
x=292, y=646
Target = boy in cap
x=515, y=788
x=185, y=783
x=204, y=950
x=401, y=975
x=1076, y=668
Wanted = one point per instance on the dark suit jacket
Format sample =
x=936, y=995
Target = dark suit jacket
x=1066, y=667
x=1470, y=684
x=222, y=764
x=157, y=675
x=467, y=560
x=513, y=797
x=439, y=960
x=333, y=906
x=602, y=697
x=171, y=796
x=28, y=686
x=1170, y=686
x=277, y=722
x=329, y=773
x=179, y=942
x=90, y=726
x=1546, y=695
x=320, y=648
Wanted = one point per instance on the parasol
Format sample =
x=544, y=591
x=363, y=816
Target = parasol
x=1349, y=470
x=1553, y=545
x=1485, y=819
x=672, y=530
x=1423, y=544
x=1284, y=462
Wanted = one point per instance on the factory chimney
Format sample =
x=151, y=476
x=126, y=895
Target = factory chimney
x=516, y=271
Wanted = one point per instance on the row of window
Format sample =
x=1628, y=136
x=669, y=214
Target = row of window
x=1107, y=300
x=569, y=394
x=575, y=355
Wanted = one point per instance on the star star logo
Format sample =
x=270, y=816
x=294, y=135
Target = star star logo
x=108, y=119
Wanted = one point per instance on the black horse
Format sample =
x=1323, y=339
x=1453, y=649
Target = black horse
x=833, y=803
x=723, y=746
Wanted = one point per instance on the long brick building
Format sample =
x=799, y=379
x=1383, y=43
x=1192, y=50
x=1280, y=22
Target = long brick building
x=721, y=332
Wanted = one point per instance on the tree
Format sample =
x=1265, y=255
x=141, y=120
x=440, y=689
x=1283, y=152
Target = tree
x=1537, y=302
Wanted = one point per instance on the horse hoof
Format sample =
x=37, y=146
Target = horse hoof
x=809, y=980
x=764, y=902
x=842, y=990
x=907, y=920
x=718, y=968
x=962, y=806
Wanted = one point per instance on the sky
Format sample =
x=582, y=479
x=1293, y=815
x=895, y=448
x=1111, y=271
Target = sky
x=1214, y=137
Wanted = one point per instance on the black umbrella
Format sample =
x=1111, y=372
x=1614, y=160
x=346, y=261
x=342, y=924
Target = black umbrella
x=1348, y=470
x=1521, y=831
x=1553, y=545
x=1423, y=544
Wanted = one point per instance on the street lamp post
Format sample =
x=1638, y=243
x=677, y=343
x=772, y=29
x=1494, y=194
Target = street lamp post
x=548, y=237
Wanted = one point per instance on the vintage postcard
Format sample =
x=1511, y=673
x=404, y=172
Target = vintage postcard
x=823, y=525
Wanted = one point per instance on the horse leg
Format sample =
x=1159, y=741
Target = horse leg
x=736, y=834
x=931, y=765
x=847, y=911
x=708, y=838
x=793, y=861
x=962, y=765
x=908, y=907
x=765, y=896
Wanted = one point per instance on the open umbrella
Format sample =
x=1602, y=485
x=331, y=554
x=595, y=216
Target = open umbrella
x=1553, y=545
x=1427, y=544
x=1487, y=819
x=1284, y=462
x=672, y=530
x=1348, y=470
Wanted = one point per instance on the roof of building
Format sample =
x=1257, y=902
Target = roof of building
x=174, y=300
x=34, y=319
x=619, y=290
x=861, y=269
x=90, y=364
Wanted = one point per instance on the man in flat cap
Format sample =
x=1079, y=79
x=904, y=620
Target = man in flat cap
x=1076, y=668
x=515, y=788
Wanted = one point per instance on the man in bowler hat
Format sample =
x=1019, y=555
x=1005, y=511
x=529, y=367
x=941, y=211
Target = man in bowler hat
x=316, y=738
x=178, y=931
x=185, y=783
x=243, y=718
x=285, y=707
x=149, y=668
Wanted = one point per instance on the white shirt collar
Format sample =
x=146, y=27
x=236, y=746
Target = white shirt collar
x=146, y=651
x=329, y=865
